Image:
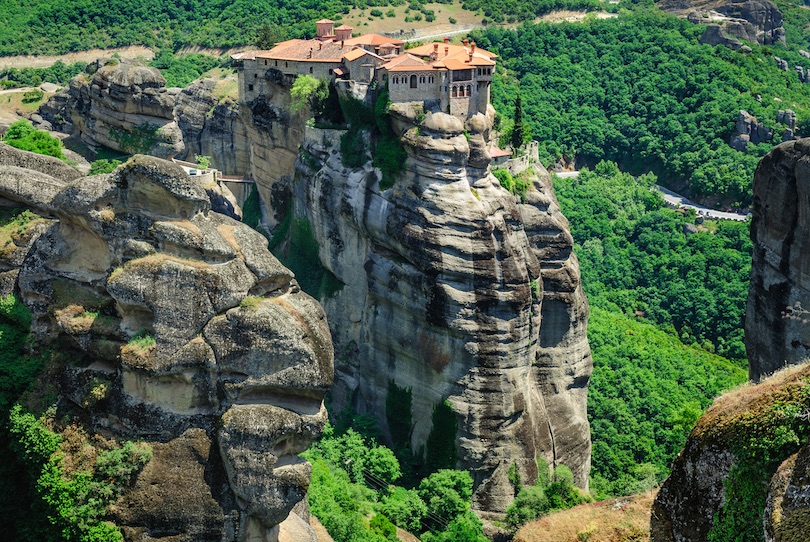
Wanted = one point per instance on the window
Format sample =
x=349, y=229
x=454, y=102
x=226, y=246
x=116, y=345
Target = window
x=469, y=91
x=310, y=69
x=250, y=88
x=276, y=63
x=455, y=92
x=330, y=71
x=422, y=79
x=286, y=65
x=413, y=81
x=255, y=75
x=479, y=71
x=396, y=80
x=431, y=79
x=265, y=62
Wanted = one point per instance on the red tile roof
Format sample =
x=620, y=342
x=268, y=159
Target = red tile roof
x=373, y=39
x=305, y=50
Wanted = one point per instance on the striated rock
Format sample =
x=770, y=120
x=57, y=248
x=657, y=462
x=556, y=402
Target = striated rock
x=787, y=512
x=788, y=118
x=228, y=384
x=212, y=126
x=120, y=104
x=454, y=288
x=732, y=21
x=724, y=439
x=275, y=136
x=776, y=330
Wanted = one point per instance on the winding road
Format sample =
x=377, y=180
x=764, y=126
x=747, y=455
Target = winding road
x=676, y=200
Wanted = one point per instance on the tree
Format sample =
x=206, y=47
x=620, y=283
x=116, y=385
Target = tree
x=268, y=36
x=447, y=493
x=203, y=161
x=518, y=128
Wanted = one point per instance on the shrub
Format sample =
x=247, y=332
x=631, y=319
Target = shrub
x=25, y=137
x=404, y=508
x=99, y=167
x=353, y=148
x=32, y=96
x=383, y=527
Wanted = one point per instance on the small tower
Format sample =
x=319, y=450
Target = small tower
x=343, y=32
x=325, y=29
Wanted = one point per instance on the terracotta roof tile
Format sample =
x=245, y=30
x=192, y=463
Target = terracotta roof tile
x=373, y=39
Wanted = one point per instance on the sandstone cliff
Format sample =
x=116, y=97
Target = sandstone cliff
x=730, y=21
x=738, y=475
x=776, y=323
x=227, y=379
x=455, y=289
x=126, y=106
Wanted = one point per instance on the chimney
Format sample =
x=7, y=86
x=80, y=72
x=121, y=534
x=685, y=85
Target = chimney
x=320, y=45
x=472, y=47
x=446, y=39
x=435, y=54
x=310, y=52
x=466, y=43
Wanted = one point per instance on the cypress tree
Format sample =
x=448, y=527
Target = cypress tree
x=517, y=131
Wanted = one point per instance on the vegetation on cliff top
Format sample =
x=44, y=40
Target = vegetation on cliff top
x=640, y=89
x=25, y=137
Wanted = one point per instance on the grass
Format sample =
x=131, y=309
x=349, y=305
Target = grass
x=227, y=88
x=251, y=303
x=11, y=104
x=361, y=20
x=626, y=519
x=14, y=224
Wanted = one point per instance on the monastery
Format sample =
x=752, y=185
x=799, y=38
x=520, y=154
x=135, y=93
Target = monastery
x=446, y=77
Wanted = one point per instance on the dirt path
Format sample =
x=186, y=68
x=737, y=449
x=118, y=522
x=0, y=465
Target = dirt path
x=30, y=61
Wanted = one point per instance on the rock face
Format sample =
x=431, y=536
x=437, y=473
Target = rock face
x=227, y=379
x=748, y=130
x=776, y=322
x=123, y=105
x=787, y=513
x=212, y=127
x=126, y=106
x=455, y=289
x=724, y=439
x=730, y=21
x=275, y=137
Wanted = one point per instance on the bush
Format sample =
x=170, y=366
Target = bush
x=383, y=527
x=404, y=508
x=353, y=148
x=25, y=137
x=99, y=167
x=32, y=96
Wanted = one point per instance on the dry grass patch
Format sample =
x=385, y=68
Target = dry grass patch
x=751, y=402
x=626, y=519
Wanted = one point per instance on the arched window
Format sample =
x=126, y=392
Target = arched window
x=421, y=78
x=455, y=91
x=431, y=79
x=413, y=81
x=469, y=91
x=396, y=80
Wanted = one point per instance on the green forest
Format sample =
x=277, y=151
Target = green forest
x=662, y=303
x=641, y=90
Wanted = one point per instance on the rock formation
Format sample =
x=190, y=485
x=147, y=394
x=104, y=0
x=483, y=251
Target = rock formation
x=730, y=21
x=776, y=324
x=212, y=127
x=126, y=106
x=788, y=506
x=227, y=379
x=720, y=480
x=123, y=105
x=456, y=289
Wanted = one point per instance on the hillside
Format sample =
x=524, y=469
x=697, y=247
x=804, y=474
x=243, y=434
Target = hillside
x=642, y=91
